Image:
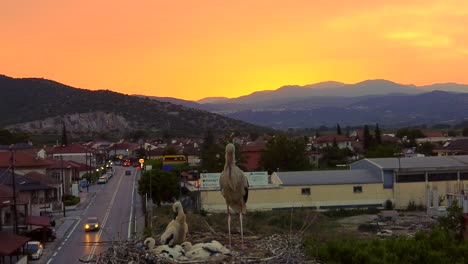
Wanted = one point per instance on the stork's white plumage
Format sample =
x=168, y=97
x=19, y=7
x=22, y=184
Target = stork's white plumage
x=177, y=229
x=235, y=188
x=175, y=252
x=212, y=251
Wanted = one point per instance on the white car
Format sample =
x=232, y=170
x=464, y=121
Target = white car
x=34, y=249
x=102, y=179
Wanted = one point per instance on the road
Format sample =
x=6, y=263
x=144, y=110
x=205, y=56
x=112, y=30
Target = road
x=114, y=205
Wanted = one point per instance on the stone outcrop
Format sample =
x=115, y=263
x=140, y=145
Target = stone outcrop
x=77, y=124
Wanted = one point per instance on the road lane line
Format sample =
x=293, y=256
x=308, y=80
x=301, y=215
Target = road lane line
x=66, y=239
x=89, y=204
x=59, y=248
x=131, y=209
x=93, y=249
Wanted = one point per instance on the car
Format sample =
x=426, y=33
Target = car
x=34, y=249
x=126, y=163
x=45, y=234
x=103, y=179
x=128, y=172
x=109, y=174
x=92, y=224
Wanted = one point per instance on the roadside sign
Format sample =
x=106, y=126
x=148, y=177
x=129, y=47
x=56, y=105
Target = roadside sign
x=209, y=180
x=141, y=160
x=257, y=178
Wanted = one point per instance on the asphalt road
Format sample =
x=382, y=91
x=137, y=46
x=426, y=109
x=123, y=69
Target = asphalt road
x=115, y=207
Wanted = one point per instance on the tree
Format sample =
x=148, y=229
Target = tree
x=378, y=138
x=285, y=154
x=163, y=186
x=384, y=150
x=332, y=156
x=64, y=135
x=425, y=148
x=169, y=151
x=452, y=223
x=212, y=154
x=338, y=129
x=452, y=133
x=465, y=132
x=367, y=138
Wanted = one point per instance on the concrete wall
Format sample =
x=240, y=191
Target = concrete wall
x=321, y=196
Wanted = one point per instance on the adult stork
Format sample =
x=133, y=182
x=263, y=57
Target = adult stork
x=235, y=189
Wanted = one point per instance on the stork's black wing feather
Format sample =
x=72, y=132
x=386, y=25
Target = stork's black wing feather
x=246, y=195
x=168, y=239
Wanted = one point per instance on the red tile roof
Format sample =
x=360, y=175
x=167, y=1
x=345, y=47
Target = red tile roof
x=81, y=166
x=72, y=148
x=44, y=179
x=123, y=145
x=433, y=134
x=331, y=138
x=10, y=243
x=58, y=164
x=38, y=220
x=23, y=160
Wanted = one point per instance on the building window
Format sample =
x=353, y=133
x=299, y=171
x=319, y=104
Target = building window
x=305, y=191
x=357, y=189
x=56, y=175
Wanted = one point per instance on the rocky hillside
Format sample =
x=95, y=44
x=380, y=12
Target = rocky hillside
x=40, y=105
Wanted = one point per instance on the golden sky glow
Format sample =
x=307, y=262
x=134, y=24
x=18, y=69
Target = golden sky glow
x=194, y=49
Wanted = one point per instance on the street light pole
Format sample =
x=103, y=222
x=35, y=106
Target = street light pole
x=63, y=184
x=15, y=212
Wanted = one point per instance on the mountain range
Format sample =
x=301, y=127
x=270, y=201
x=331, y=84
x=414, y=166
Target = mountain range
x=42, y=106
x=327, y=103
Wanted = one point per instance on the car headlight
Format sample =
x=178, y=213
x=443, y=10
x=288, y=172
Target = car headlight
x=96, y=225
x=87, y=226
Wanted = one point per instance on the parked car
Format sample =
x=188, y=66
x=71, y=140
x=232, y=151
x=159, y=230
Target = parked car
x=103, y=179
x=92, y=224
x=128, y=172
x=45, y=234
x=34, y=249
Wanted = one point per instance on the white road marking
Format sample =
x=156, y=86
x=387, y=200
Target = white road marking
x=50, y=260
x=60, y=247
x=55, y=254
x=93, y=249
x=131, y=209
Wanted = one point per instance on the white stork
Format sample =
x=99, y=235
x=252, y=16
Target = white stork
x=177, y=229
x=235, y=188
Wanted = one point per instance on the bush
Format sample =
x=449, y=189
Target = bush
x=388, y=205
x=70, y=200
x=350, y=212
x=436, y=246
x=413, y=207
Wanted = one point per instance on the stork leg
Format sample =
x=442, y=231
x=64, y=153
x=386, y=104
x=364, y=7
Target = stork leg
x=242, y=231
x=229, y=225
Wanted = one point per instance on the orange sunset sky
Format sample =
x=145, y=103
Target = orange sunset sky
x=195, y=49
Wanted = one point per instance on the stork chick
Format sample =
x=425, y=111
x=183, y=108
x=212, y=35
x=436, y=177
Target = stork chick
x=177, y=229
x=212, y=251
x=235, y=188
x=175, y=253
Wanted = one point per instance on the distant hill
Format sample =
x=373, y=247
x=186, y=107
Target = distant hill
x=45, y=104
x=387, y=110
x=210, y=100
x=172, y=100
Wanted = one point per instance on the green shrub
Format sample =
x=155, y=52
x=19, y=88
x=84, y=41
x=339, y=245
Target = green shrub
x=388, y=205
x=436, y=246
x=350, y=212
x=413, y=207
x=70, y=200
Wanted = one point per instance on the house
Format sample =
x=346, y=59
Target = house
x=32, y=190
x=66, y=172
x=50, y=198
x=341, y=141
x=124, y=149
x=455, y=147
x=251, y=154
x=6, y=206
x=73, y=152
x=25, y=162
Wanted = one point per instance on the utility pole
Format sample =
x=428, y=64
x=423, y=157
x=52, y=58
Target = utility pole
x=15, y=212
x=63, y=184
